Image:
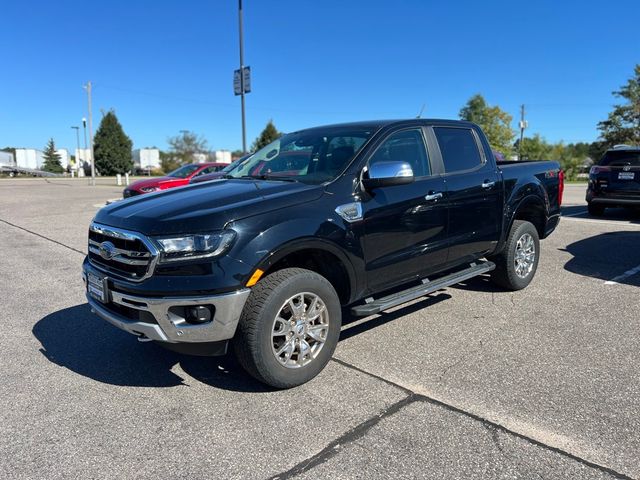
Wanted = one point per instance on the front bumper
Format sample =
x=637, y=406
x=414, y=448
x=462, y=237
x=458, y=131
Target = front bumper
x=164, y=325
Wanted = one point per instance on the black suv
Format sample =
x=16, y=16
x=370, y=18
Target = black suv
x=615, y=180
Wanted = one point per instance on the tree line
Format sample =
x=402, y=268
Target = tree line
x=112, y=147
x=622, y=126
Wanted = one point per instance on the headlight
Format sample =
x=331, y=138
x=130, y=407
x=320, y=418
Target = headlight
x=149, y=189
x=188, y=247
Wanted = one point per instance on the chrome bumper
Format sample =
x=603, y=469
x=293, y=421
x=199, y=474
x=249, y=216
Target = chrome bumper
x=173, y=328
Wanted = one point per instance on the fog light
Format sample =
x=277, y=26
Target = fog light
x=198, y=314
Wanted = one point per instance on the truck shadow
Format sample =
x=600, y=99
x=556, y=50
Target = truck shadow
x=76, y=339
x=606, y=256
x=352, y=326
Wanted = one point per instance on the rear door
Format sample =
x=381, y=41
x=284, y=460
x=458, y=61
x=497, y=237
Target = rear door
x=474, y=193
x=622, y=170
x=405, y=225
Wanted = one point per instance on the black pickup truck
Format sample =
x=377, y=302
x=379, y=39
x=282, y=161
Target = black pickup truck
x=361, y=216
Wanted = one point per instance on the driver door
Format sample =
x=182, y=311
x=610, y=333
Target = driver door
x=405, y=226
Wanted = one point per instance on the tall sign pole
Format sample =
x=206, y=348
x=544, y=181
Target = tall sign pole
x=242, y=83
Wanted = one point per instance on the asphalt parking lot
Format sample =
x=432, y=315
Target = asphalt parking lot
x=472, y=382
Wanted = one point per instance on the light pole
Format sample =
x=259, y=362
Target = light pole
x=77, y=129
x=93, y=163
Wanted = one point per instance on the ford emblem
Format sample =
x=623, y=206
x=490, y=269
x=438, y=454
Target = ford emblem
x=107, y=250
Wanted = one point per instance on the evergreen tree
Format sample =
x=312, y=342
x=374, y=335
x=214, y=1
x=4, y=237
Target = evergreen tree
x=268, y=135
x=112, y=147
x=495, y=123
x=623, y=124
x=51, y=158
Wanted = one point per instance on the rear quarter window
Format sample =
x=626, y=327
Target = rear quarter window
x=459, y=148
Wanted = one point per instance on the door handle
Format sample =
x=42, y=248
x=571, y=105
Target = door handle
x=433, y=196
x=488, y=184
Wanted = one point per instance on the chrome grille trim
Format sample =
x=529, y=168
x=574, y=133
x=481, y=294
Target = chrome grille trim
x=128, y=257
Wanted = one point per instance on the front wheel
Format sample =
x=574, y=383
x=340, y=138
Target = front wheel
x=516, y=265
x=289, y=328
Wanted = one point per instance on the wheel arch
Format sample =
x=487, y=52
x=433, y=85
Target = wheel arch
x=319, y=256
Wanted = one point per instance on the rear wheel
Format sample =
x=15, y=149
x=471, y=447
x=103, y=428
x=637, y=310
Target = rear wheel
x=289, y=328
x=516, y=265
x=595, y=210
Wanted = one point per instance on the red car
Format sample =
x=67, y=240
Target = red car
x=177, y=178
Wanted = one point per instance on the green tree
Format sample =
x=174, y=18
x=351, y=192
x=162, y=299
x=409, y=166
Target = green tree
x=623, y=123
x=495, y=123
x=51, y=158
x=184, y=147
x=534, y=148
x=268, y=135
x=112, y=147
x=168, y=162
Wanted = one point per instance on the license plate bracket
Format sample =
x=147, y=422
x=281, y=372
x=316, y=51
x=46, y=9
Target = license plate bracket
x=97, y=287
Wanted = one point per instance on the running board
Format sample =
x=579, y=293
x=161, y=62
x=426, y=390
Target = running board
x=384, y=303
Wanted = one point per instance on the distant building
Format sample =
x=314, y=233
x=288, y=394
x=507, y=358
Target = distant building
x=146, y=159
x=83, y=159
x=7, y=160
x=222, y=156
x=29, y=158
x=200, y=158
x=64, y=157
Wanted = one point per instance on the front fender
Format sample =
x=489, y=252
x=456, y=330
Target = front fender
x=264, y=240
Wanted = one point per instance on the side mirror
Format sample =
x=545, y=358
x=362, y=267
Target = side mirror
x=387, y=174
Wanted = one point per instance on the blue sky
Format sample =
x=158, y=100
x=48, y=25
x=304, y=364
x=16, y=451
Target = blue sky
x=166, y=66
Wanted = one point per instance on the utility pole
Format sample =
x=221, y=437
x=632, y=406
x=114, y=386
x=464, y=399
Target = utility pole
x=523, y=124
x=77, y=129
x=244, y=135
x=93, y=164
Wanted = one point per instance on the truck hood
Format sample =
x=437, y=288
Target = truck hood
x=204, y=206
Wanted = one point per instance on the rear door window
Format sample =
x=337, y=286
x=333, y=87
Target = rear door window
x=459, y=148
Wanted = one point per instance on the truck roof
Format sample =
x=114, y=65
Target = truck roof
x=378, y=124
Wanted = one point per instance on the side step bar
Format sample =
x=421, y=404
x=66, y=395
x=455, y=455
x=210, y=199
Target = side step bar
x=384, y=303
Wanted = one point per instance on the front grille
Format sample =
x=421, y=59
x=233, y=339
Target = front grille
x=121, y=253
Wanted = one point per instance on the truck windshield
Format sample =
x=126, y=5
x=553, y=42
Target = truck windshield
x=312, y=156
x=621, y=158
x=184, y=171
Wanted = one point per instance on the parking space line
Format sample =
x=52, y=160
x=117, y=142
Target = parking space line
x=619, y=278
x=41, y=236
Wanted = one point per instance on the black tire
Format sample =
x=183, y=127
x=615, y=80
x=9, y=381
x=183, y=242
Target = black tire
x=595, y=210
x=253, y=342
x=505, y=274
